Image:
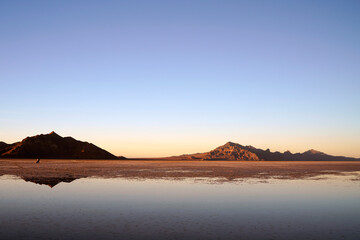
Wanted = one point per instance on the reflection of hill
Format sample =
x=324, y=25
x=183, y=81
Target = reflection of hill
x=50, y=181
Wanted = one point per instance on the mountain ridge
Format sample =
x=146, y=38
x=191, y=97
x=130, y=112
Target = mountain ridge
x=236, y=152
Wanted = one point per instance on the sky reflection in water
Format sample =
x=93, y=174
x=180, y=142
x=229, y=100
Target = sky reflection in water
x=177, y=209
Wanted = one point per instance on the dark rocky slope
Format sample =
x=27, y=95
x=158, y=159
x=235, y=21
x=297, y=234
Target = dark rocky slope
x=3, y=145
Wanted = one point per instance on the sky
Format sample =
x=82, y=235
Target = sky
x=163, y=78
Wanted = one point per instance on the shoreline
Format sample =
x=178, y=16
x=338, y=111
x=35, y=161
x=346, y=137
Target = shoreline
x=54, y=171
x=170, y=159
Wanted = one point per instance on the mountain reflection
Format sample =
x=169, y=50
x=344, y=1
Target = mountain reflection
x=49, y=181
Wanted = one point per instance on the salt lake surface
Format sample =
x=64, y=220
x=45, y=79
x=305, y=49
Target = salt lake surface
x=321, y=207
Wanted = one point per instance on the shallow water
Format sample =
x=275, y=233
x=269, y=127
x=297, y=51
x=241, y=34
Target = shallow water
x=325, y=207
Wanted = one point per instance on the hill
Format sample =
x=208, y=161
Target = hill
x=53, y=146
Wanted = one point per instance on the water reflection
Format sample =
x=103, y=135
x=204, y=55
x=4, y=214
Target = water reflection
x=123, y=208
x=49, y=181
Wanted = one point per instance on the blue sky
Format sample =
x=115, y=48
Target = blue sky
x=158, y=78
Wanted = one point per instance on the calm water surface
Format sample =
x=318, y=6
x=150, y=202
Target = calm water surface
x=325, y=208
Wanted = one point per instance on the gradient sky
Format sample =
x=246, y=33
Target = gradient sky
x=159, y=78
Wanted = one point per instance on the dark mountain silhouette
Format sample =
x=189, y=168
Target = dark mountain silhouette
x=237, y=152
x=53, y=146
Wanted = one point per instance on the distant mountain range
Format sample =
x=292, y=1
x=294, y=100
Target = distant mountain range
x=53, y=146
x=236, y=152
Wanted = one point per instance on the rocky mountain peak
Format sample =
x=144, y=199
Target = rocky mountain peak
x=313, y=151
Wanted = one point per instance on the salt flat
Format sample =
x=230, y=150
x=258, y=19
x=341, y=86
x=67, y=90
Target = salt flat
x=68, y=170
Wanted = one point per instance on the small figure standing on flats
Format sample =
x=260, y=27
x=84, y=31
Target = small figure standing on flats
x=38, y=160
